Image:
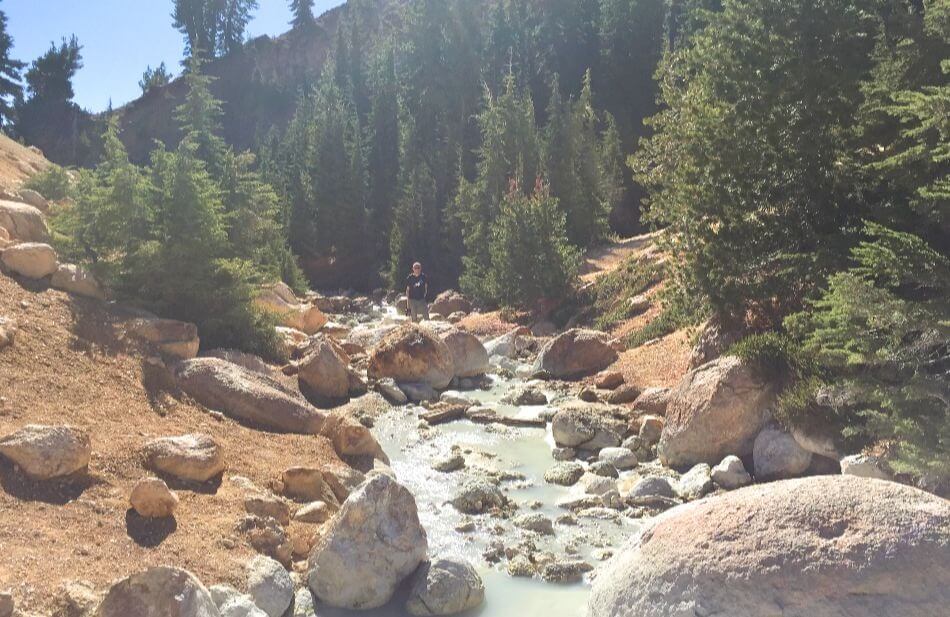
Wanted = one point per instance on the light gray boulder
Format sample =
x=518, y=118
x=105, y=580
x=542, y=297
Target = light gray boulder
x=776, y=455
x=730, y=473
x=445, y=587
x=270, y=586
x=48, y=452
x=158, y=592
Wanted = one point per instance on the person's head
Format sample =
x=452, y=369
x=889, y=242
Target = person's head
x=417, y=268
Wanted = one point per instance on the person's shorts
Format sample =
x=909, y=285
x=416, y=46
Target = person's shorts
x=418, y=310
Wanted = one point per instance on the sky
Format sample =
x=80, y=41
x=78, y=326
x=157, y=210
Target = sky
x=120, y=38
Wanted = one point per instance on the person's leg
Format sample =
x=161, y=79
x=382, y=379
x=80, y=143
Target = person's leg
x=414, y=313
x=424, y=310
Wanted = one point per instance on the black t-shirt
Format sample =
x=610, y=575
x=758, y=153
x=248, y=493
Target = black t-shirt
x=417, y=286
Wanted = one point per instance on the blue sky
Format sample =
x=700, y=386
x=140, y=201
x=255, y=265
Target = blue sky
x=119, y=38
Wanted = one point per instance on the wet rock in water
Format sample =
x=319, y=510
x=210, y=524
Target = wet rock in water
x=78, y=281
x=565, y=473
x=267, y=537
x=696, y=483
x=469, y=356
x=715, y=410
x=651, y=429
x=588, y=427
x=266, y=505
x=370, y=547
x=48, y=452
x=445, y=587
x=32, y=260
x=314, y=513
x=270, y=585
x=388, y=388
x=323, y=372
x=593, y=484
x=7, y=332
x=565, y=571
x=477, y=497
x=248, y=396
x=520, y=566
x=450, y=463
x=864, y=466
x=151, y=498
x=777, y=456
x=609, y=380
x=535, y=522
x=453, y=397
x=525, y=395
x=620, y=458
x=652, y=401
x=158, y=592
x=194, y=458
x=564, y=454
x=588, y=395
x=605, y=469
x=647, y=489
x=730, y=473
x=576, y=353
x=412, y=354
x=834, y=546
x=626, y=393
x=419, y=392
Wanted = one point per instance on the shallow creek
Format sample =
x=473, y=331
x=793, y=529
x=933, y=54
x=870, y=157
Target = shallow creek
x=523, y=455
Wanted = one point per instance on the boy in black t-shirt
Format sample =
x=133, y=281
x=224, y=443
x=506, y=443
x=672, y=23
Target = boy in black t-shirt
x=417, y=288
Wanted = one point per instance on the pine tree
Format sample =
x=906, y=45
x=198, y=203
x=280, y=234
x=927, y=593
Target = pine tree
x=11, y=90
x=212, y=27
x=303, y=13
x=154, y=78
x=383, y=160
x=235, y=16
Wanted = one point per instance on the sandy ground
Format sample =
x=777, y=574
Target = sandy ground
x=17, y=162
x=65, y=367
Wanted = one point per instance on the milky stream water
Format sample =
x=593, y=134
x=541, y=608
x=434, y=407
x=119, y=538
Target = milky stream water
x=526, y=454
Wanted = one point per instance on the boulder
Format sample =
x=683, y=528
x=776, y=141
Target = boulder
x=30, y=259
x=307, y=484
x=193, y=458
x=391, y=392
x=266, y=505
x=825, y=546
x=314, y=513
x=536, y=522
x=864, y=466
x=74, y=599
x=445, y=587
x=652, y=401
x=350, y=437
x=304, y=604
x=649, y=488
x=280, y=300
x=267, y=536
x=510, y=345
x=651, y=430
x=7, y=332
x=292, y=341
x=565, y=473
x=369, y=548
x=323, y=373
x=248, y=396
x=609, y=380
x=449, y=302
x=158, y=592
x=78, y=281
x=620, y=458
x=244, y=360
x=525, y=395
x=177, y=339
x=48, y=452
x=696, y=483
x=477, y=497
x=730, y=473
x=412, y=354
x=469, y=357
x=587, y=427
x=715, y=410
x=5, y=239
x=715, y=337
x=23, y=222
x=777, y=456
x=627, y=393
x=151, y=498
x=269, y=585
x=33, y=198
x=576, y=353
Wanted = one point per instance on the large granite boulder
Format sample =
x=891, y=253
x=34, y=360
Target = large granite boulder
x=47, y=452
x=449, y=302
x=469, y=356
x=412, y=354
x=23, y=222
x=714, y=411
x=193, y=458
x=323, y=373
x=248, y=396
x=586, y=427
x=445, y=587
x=158, y=592
x=777, y=456
x=826, y=546
x=280, y=300
x=77, y=280
x=32, y=260
x=576, y=353
x=373, y=543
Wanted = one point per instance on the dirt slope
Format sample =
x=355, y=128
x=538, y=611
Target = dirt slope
x=17, y=162
x=66, y=367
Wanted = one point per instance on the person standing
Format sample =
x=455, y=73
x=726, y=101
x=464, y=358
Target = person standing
x=417, y=289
